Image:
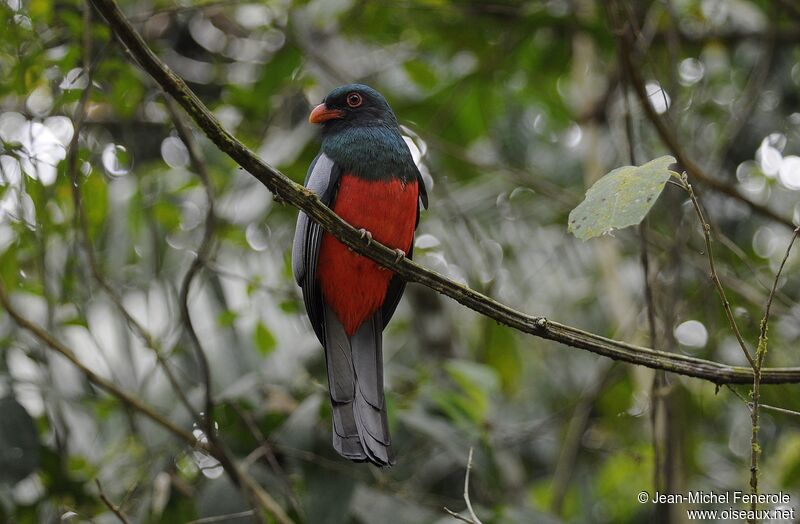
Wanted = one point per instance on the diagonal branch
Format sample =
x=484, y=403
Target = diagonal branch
x=237, y=475
x=726, y=305
x=310, y=203
x=114, y=508
x=215, y=447
x=101, y=382
x=762, y=336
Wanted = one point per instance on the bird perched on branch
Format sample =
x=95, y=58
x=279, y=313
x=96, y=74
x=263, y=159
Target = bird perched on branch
x=366, y=174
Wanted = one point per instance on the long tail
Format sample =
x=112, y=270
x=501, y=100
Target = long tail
x=355, y=380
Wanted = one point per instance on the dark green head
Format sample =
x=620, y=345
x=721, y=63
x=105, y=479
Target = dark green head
x=361, y=134
x=352, y=105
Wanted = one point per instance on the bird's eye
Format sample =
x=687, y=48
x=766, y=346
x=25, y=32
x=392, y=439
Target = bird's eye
x=354, y=100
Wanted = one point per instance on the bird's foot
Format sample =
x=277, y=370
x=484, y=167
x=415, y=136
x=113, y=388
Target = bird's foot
x=400, y=255
x=365, y=234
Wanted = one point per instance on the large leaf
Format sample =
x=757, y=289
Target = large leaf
x=264, y=339
x=19, y=442
x=471, y=401
x=620, y=199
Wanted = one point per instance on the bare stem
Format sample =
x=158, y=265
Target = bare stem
x=127, y=398
x=473, y=518
x=761, y=353
x=222, y=518
x=114, y=509
x=726, y=305
x=237, y=474
x=215, y=447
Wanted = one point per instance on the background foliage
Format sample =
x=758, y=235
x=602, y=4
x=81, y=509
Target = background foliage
x=514, y=109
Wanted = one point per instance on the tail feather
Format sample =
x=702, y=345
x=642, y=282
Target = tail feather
x=338, y=355
x=371, y=420
x=345, y=433
x=349, y=448
x=355, y=379
x=367, y=347
x=344, y=423
x=378, y=452
x=342, y=387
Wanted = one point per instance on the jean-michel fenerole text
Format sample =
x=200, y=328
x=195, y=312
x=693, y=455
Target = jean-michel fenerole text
x=725, y=497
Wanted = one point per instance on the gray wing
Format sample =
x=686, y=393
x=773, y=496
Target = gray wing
x=322, y=179
x=423, y=193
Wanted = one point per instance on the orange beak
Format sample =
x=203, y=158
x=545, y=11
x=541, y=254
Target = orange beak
x=322, y=114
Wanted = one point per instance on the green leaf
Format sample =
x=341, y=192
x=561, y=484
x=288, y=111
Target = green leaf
x=788, y=461
x=620, y=199
x=227, y=318
x=476, y=384
x=167, y=215
x=613, y=480
x=290, y=306
x=264, y=339
x=502, y=354
x=19, y=442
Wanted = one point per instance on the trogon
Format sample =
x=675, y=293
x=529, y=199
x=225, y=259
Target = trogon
x=365, y=173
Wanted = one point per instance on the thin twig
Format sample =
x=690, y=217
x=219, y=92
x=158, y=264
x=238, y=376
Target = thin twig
x=726, y=305
x=215, y=447
x=266, y=446
x=238, y=475
x=749, y=404
x=784, y=411
x=735, y=392
x=127, y=398
x=200, y=169
x=648, y=286
x=466, y=489
x=762, y=336
x=222, y=518
x=459, y=517
x=473, y=518
x=114, y=509
x=761, y=353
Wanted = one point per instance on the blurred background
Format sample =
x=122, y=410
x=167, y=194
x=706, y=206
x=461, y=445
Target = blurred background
x=512, y=110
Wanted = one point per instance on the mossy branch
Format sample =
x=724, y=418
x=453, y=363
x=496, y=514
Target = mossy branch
x=303, y=199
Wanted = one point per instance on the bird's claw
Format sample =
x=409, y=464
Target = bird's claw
x=365, y=234
x=400, y=255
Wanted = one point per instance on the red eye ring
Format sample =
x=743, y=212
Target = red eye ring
x=354, y=99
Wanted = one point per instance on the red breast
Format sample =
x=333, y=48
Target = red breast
x=352, y=285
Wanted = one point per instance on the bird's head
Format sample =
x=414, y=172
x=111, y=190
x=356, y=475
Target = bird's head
x=353, y=105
